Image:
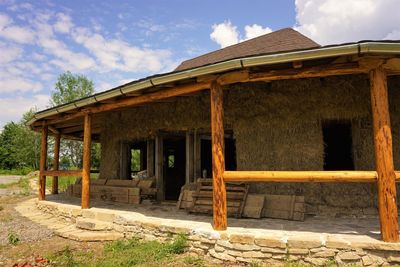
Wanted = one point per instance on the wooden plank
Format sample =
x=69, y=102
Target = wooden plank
x=288, y=207
x=56, y=162
x=218, y=158
x=121, y=182
x=87, y=139
x=77, y=173
x=253, y=206
x=387, y=204
x=300, y=176
x=43, y=162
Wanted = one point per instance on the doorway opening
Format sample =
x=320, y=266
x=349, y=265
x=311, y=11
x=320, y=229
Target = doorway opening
x=174, y=166
x=206, y=156
x=338, y=145
x=138, y=157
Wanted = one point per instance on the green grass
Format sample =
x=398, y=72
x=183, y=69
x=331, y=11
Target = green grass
x=65, y=181
x=13, y=238
x=23, y=183
x=22, y=171
x=194, y=261
x=123, y=253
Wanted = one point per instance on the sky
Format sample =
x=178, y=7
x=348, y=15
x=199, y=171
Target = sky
x=114, y=42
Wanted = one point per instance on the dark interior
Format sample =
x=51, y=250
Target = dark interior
x=337, y=145
x=206, y=155
x=174, y=166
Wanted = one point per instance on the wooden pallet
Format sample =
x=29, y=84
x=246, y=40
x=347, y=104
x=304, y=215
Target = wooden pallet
x=236, y=194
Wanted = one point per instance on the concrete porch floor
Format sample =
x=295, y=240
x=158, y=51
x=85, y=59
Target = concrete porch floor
x=317, y=239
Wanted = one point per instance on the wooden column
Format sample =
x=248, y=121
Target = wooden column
x=43, y=161
x=159, y=167
x=150, y=158
x=189, y=157
x=56, y=162
x=386, y=183
x=87, y=140
x=218, y=157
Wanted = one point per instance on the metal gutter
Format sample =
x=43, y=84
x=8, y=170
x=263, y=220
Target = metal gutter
x=323, y=52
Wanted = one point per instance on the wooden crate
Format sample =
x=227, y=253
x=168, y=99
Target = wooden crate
x=202, y=198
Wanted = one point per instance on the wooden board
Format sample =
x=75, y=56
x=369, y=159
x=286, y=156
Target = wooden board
x=121, y=182
x=254, y=206
x=287, y=207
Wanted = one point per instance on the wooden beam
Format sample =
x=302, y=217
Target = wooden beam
x=77, y=173
x=309, y=72
x=301, y=176
x=87, y=139
x=386, y=185
x=143, y=99
x=43, y=161
x=56, y=162
x=218, y=157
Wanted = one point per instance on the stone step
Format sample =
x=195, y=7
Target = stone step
x=74, y=233
x=93, y=225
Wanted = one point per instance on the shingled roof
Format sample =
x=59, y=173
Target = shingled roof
x=279, y=41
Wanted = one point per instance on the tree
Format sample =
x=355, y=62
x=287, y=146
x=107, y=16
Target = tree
x=70, y=87
x=19, y=146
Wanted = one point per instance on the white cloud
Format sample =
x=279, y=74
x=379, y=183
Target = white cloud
x=12, y=108
x=224, y=34
x=253, y=31
x=9, y=53
x=14, y=33
x=115, y=54
x=18, y=84
x=332, y=21
x=63, y=24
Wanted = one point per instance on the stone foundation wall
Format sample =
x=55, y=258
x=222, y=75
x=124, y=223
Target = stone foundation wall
x=243, y=245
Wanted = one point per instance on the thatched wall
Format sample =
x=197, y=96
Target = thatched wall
x=277, y=126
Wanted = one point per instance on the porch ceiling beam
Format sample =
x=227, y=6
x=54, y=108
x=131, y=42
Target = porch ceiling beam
x=293, y=73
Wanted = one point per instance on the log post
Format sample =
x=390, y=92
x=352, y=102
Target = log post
x=43, y=162
x=56, y=162
x=386, y=183
x=218, y=158
x=87, y=139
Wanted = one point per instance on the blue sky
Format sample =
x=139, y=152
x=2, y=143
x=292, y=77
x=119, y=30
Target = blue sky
x=113, y=42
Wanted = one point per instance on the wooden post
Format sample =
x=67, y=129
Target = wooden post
x=150, y=158
x=159, y=162
x=43, y=161
x=189, y=157
x=56, y=162
x=384, y=156
x=218, y=158
x=87, y=139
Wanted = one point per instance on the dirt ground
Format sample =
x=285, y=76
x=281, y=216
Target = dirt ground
x=25, y=243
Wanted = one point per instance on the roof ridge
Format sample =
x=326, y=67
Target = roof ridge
x=248, y=43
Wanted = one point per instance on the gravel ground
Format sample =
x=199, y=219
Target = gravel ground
x=12, y=222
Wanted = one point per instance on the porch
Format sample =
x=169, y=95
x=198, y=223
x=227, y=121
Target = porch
x=384, y=175
x=315, y=241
